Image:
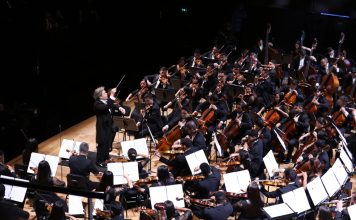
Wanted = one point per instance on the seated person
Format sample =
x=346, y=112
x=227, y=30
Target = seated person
x=221, y=211
x=81, y=165
x=169, y=211
x=5, y=170
x=132, y=154
x=9, y=210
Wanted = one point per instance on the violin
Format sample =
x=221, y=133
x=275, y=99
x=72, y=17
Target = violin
x=229, y=163
x=276, y=183
x=203, y=202
x=232, y=195
x=191, y=178
x=147, y=180
x=117, y=159
x=106, y=214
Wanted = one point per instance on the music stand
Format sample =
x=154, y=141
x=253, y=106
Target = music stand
x=127, y=124
x=153, y=140
x=177, y=83
x=250, y=78
x=164, y=95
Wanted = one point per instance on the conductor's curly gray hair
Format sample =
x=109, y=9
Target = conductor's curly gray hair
x=98, y=91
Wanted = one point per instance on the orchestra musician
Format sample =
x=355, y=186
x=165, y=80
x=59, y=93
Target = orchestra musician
x=9, y=210
x=151, y=117
x=81, y=165
x=221, y=211
x=154, y=80
x=132, y=154
x=292, y=184
x=5, y=170
x=196, y=136
x=179, y=163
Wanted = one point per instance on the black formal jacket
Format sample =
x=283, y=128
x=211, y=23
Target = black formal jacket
x=11, y=212
x=209, y=184
x=104, y=122
x=80, y=165
x=220, y=212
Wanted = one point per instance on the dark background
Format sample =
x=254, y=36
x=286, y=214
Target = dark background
x=55, y=53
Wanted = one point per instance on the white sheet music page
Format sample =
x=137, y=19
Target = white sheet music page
x=18, y=193
x=35, y=159
x=330, y=182
x=68, y=145
x=352, y=211
x=297, y=200
x=118, y=172
x=232, y=183
x=317, y=191
x=278, y=210
x=75, y=205
x=175, y=194
x=280, y=140
x=98, y=204
x=339, y=171
x=270, y=163
x=126, y=145
x=53, y=163
x=244, y=179
x=217, y=145
x=141, y=146
x=131, y=169
x=158, y=194
x=195, y=159
x=346, y=160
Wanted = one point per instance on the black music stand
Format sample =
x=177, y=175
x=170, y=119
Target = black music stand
x=250, y=77
x=164, y=95
x=177, y=83
x=127, y=124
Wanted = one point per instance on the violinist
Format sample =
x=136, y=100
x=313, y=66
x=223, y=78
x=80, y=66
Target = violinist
x=179, y=163
x=132, y=154
x=291, y=178
x=196, y=60
x=209, y=80
x=180, y=71
x=213, y=54
x=221, y=211
x=251, y=65
x=150, y=116
x=196, y=92
x=139, y=93
x=251, y=208
x=202, y=189
x=44, y=175
x=5, y=170
x=9, y=210
x=81, y=165
x=154, y=80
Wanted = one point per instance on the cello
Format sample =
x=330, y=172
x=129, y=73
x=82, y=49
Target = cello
x=309, y=72
x=166, y=142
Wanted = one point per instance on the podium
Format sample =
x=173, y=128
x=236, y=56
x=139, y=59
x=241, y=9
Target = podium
x=127, y=124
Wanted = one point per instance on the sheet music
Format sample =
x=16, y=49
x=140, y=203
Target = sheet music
x=297, y=200
x=14, y=193
x=119, y=169
x=278, y=210
x=330, y=182
x=237, y=182
x=158, y=194
x=99, y=204
x=348, y=152
x=352, y=211
x=317, y=191
x=175, y=192
x=140, y=145
x=270, y=163
x=346, y=160
x=195, y=159
x=217, y=145
x=75, y=205
x=36, y=158
x=280, y=140
x=68, y=145
x=164, y=193
x=340, y=134
x=339, y=171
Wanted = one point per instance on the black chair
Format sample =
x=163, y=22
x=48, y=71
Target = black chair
x=132, y=199
x=77, y=181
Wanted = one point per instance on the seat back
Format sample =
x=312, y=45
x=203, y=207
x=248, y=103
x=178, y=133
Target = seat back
x=76, y=181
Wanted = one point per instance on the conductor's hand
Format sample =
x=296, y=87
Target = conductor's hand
x=113, y=91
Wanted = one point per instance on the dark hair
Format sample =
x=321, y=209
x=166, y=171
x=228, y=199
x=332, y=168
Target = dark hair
x=58, y=212
x=290, y=174
x=132, y=154
x=110, y=195
x=220, y=197
x=163, y=174
x=2, y=191
x=170, y=209
x=253, y=194
x=186, y=142
x=191, y=125
x=214, y=98
x=106, y=180
x=205, y=169
x=44, y=173
x=84, y=147
x=116, y=208
x=325, y=213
